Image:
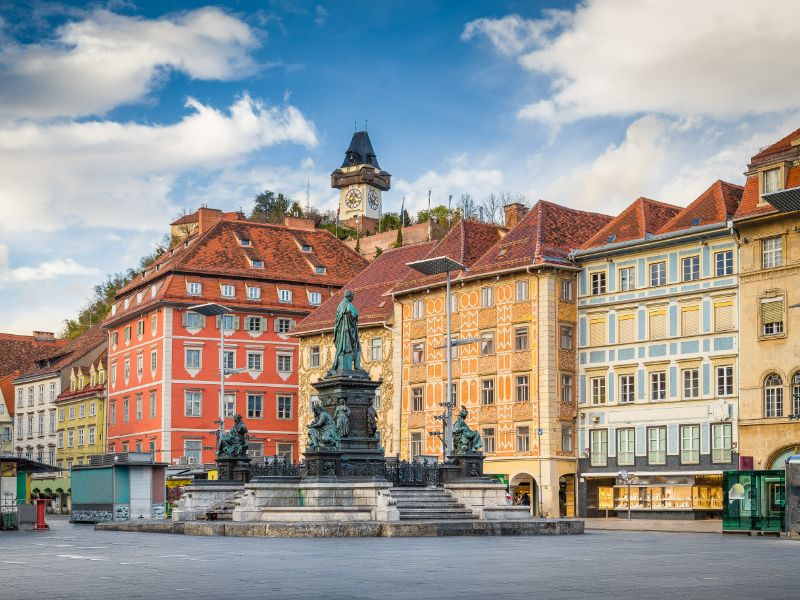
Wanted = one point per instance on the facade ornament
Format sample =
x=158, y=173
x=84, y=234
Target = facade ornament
x=342, y=418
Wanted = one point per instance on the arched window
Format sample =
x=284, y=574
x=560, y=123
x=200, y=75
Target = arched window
x=796, y=395
x=773, y=395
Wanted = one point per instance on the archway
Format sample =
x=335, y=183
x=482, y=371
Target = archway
x=778, y=458
x=524, y=491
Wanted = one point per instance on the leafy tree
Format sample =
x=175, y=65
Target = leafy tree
x=440, y=215
x=398, y=243
x=378, y=251
x=389, y=221
x=270, y=207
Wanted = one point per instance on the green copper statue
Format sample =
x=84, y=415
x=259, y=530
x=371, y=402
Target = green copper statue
x=236, y=441
x=345, y=336
x=322, y=433
x=465, y=439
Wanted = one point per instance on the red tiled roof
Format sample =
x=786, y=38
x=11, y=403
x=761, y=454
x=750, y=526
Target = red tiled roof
x=642, y=217
x=7, y=390
x=20, y=352
x=466, y=242
x=87, y=390
x=716, y=205
x=779, y=147
x=545, y=235
x=371, y=290
x=73, y=351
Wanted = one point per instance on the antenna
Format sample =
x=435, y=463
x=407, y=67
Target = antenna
x=365, y=124
x=430, y=220
x=355, y=126
x=449, y=202
x=308, y=194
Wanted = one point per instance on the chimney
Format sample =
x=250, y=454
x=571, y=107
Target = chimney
x=514, y=213
x=44, y=336
x=299, y=223
x=207, y=218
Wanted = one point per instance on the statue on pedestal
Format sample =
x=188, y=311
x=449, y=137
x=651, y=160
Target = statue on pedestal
x=342, y=418
x=345, y=337
x=236, y=441
x=372, y=423
x=322, y=434
x=465, y=439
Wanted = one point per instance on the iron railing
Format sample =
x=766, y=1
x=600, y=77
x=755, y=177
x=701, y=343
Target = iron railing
x=403, y=473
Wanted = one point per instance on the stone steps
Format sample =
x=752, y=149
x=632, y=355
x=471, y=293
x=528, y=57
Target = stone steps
x=429, y=504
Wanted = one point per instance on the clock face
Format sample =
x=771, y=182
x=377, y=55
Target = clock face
x=353, y=198
x=372, y=199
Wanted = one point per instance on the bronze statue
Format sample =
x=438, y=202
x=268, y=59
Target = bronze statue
x=236, y=441
x=322, y=432
x=342, y=418
x=372, y=423
x=345, y=336
x=465, y=439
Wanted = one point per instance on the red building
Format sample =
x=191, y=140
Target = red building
x=164, y=371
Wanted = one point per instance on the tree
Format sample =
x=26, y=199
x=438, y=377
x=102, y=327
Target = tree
x=406, y=219
x=378, y=251
x=441, y=215
x=271, y=207
x=491, y=208
x=398, y=243
x=467, y=207
x=389, y=221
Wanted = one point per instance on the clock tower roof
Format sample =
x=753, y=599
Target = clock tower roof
x=360, y=151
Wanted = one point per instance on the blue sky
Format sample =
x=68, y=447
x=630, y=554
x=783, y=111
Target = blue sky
x=116, y=116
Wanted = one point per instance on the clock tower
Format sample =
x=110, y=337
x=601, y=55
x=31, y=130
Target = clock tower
x=360, y=182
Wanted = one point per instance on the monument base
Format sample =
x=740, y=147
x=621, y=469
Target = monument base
x=461, y=467
x=199, y=498
x=233, y=468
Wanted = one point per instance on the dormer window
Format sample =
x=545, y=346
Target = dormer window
x=245, y=242
x=228, y=291
x=257, y=264
x=253, y=293
x=194, y=288
x=139, y=297
x=285, y=295
x=772, y=180
x=306, y=248
x=696, y=221
x=127, y=303
x=319, y=270
x=314, y=298
x=153, y=290
x=610, y=239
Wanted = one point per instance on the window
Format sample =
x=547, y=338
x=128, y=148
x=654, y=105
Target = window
x=125, y=411
x=257, y=264
x=128, y=333
x=228, y=291
x=690, y=444
x=82, y=411
x=192, y=358
x=140, y=328
x=567, y=290
x=193, y=320
x=487, y=391
x=796, y=395
x=772, y=252
x=521, y=290
x=566, y=437
x=520, y=339
x=419, y=309
x=487, y=343
x=306, y=247
x=52, y=420
x=724, y=263
x=626, y=279
x=656, y=445
x=415, y=446
x=725, y=381
x=598, y=390
x=194, y=288
x=772, y=316
x=521, y=389
x=30, y=426
x=30, y=396
x=124, y=448
x=253, y=293
x=721, y=442
x=193, y=451
x=691, y=383
x=376, y=348
x=52, y=392
x=773, y=395
x=417, y=352
x=285, y=295
x=41, y=424
x=229, y=360
x=523, y=435
x=229, y=405
x=284, y=363
x=41, y=392
x=627, y=328
x=416, y=399
x=487, y=297
x=566, y=388
x=140, y=365
x=567, y=337
x=453, y=302
x=153, y=360
x=598, y=447
x=284, y=407
x=153, y=325
x=254, y=361
x=597, y=332
x=724, y=316
x=139, y=408
x=114, y=338
x=313, y=357
x=376, y=401
x=319, y=270
x=625, y=446
x=488, y=439
x=92, y=437
x=691, y=268
x=113, y=413
x=254, y=406
x=658, y=386
x=70, y=438
x=153, y=403
x=71, y=413
x=314, y=298
x=192, y=403
x=658, y=324
x=60, y=439
x=690, y=320
x=658, y=274
x=244, y=241
x=772, y=180
x=626, y=389
x=81, y=437
x=254, y=324
x=598, y=283
x=283, y=325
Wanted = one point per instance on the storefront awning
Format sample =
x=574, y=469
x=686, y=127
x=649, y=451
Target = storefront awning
x=615, y=474
x=27, y=465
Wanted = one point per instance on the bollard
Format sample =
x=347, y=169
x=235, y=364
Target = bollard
x=41, y=503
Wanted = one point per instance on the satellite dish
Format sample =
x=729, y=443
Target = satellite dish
x=736, y=492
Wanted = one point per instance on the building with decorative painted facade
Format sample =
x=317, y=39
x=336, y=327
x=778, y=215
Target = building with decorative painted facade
x=164, y=358
x=379, y=333
x=768, y=231
x=517, y=378
x=80, y=415
x=657, y=358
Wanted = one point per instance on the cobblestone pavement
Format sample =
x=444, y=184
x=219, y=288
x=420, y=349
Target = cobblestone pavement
x=74, y=561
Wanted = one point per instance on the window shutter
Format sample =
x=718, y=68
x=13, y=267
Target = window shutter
x=723, y=316
x=263, y=324
x=597, y=332
x=202, y=320
x=235, y=323
x=184, y=317
x=658, y=325
x=217, y=319
x=690, y=320
x=772, y=311
x=627, y=329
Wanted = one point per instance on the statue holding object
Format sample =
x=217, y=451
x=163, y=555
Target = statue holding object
x=465, y=439
x=322, y=433
x=342, y=418
x=235, y=442
x=345, y=337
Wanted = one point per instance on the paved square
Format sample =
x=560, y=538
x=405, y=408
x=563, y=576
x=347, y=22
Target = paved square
x=74, y=561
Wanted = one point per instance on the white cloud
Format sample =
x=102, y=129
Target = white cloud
x=720, y=58
x=476, y=180
x=106, y=59
x=104, y=173
x=45, y=270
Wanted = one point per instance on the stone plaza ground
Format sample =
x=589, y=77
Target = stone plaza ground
x=77, y=562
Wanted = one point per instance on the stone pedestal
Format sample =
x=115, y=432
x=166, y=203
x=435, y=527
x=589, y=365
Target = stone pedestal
x=323, y=465
x=461, y=467
x=197, y=499
x=486, y=498
x=233, y=468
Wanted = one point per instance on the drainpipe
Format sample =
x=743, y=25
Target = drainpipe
x=538, y=393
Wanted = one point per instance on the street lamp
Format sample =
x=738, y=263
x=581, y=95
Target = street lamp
x=211, y=309
x=436, y=266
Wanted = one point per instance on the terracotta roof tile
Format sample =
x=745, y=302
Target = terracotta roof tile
x=74, y=350
x=782, y=145
x=716, y=205
x=641, y=218
x=371, y=290
x=20, y=352
x=7, y=391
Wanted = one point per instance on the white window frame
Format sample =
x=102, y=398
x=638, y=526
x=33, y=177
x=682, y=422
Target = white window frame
x=192, y=403
x=228, y=290
x=253, y=292
x=772, y=252
x=627, y=279
x=284, y=296
x=690, y=268
x=194, y=288
x=627, y=388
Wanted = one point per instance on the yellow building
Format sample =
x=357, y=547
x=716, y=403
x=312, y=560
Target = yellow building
x=378, y=334
x=517, y=379
x=768, y=226
x=80, y=429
